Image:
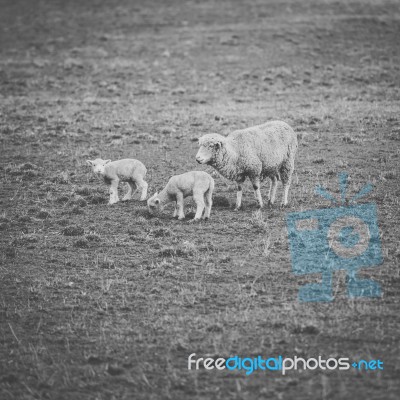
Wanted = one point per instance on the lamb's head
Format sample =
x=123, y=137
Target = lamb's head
x=154, y=204
x=210, y=147
x=98, y=165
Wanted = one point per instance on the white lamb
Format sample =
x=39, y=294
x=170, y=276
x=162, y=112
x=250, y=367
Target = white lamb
x=198, y=184
x=128, y=170
x=258, y=152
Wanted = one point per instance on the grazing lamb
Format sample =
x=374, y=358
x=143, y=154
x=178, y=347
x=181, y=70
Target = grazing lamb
x=258, y=152
x=127, y=170
x=198, y=184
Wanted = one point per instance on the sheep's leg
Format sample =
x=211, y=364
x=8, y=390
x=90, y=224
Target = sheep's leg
x=114, y=191
x=285, y=194
x=269, y=191
x=239, y=195
x=257, y=192
x=179, y=203
x=208, y=201
x=274, y=185
x=131, y=190
x=142, y=184
x=175, y=211
x=199, y=200
x=286, y=174
x=286, y=187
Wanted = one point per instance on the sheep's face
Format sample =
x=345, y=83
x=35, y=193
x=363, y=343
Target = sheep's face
x=98, y=165
x=154, y=204
x=208, y=151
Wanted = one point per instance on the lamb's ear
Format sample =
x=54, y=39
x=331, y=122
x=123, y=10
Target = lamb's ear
x=157, y=201
x=218, y=145
x=107, y=161
x=89, y=162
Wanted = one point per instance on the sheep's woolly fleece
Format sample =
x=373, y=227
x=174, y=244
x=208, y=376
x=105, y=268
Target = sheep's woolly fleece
x=266, y=150
x=198, y=184
x=211, y=138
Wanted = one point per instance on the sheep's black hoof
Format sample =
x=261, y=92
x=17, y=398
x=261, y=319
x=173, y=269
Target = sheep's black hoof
x=270, y=204
x=283, y=206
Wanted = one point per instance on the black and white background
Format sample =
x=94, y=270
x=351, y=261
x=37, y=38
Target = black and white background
x=105, y=302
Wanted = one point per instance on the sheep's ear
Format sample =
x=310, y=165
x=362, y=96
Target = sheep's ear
x=155, y=194
x=89, y=162
x=107, y=161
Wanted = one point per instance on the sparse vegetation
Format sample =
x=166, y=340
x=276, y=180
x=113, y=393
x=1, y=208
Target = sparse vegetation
x=106, y=302
x=73, y=230
x=82, y=243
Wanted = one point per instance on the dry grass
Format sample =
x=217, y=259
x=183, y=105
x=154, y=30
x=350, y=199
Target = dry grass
x=104, y=302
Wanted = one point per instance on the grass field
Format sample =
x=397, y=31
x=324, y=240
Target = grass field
x=105, y=302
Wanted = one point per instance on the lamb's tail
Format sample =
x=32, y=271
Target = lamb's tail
x=210, y=190
x=212, y=185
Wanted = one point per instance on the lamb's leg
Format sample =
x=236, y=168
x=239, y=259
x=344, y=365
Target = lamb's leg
x=239, y=196
x=142, y=184
x=114, y=191
x=199, y=200
x=208, y=201
x=257, y=192
x=131, y=190
x=175, y=211
x=274, y=186
x=179, y=203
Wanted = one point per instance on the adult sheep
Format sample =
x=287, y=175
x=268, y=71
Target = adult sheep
x=266, y=150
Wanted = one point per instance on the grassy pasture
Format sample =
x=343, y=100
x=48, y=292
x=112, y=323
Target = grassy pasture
x=100, y=302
